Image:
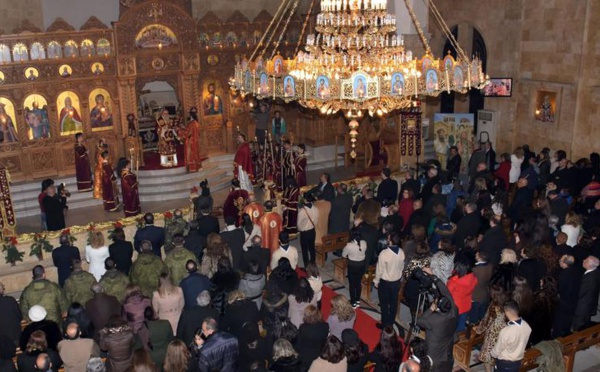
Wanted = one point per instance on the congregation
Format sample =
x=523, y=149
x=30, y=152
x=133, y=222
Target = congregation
x=509, y=250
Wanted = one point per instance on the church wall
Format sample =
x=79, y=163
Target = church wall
x=12, y=13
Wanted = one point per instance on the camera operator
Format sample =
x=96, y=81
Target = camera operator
x=439, y=322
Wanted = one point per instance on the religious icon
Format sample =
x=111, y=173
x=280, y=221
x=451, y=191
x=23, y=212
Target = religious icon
x=212, y=60
x=397, y=83
x=69, y=118
x=359, y=87
x=431, y=81
x=448, y=62
x=71, y=49
x=203, y=38
x=213, y=104
x=54, y=50
x=158, y=64
x=278, y=65
x=37, y=51
x=97, y=68
x=217, y=39
x=259, y=64
x=87, y=48
x=8, y=131
x=100, y=115
x=31, y=73
x=323, y=87
x=231, y=38
x=36, y=118
x=65, y=71
x=545, y=108
x=289, y=86
x=248, y=81
x=426, y=64
x=155, y=36
x=459, y=79
x=264, y=84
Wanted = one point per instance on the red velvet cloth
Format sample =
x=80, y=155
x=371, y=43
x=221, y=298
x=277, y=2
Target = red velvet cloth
x=108, y=190
x=503, y=172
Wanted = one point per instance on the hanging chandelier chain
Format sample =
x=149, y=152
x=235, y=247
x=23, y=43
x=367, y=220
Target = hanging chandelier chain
x=417, y=24
x=285, y=26
x=306, y=20
x=287, y=6
x=262, y=39
x=446, y=30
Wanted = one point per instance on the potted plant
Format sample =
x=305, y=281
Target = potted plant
x=12, y=254
x=116, y=225
x=67, y=232
x=40, y=245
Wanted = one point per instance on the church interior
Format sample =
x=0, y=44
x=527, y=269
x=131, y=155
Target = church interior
x=507, y=72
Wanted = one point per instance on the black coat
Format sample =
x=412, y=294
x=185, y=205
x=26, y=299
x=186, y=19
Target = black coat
x=503, y=276
x=237, y=314
x=493, y=242
x=121, y=252
x=100, y=309
x=156, y=235
x=288, y=364
x=559, y=207
x=387, y=190
x=191, y=319
x=490, y=159
x=260, y=255
x=453, y=167
x=468, y=225
x=192, y=285
x=339, y=217
x=208, y=224
x=418, y=217
x=235, y=240
x=26, y=361
x=219, y=353
x=195, y=243
x=520, y=203
x=310, y=341
x=50, y=328
x=569, y=281
x=587, y=304
x=55, y=212
x=411, y=184
x=370, y=235
x=532, y=270
x=328, y=191
x=426, y=191
x=10, y=321
x=62, y=258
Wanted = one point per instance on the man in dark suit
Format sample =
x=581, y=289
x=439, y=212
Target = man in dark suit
x=388, y=188
x=154, y=234
x=325, y=187
x=410, y=183
x=194, y=241
x=453, y=165
x=418, y=217
x=490, y=156
x=494, y=240
x=587, y=304
x=370, y=235
x=192, y=316
x=206, y=223
x=530, y=268
x=341, y=206
x=101, y=308
x=256, y=253
x=433, y=178
x=10, y=321
x=483, y=271
x=439, y=322
x=468, y=225
x=193, y=284
x=558, y=206
x=234, y=237
x=569, y=281
x=63, y=256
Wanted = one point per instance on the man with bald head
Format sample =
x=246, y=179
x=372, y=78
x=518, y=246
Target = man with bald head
x=43, y=363
x=587, y=304
x=76, y=351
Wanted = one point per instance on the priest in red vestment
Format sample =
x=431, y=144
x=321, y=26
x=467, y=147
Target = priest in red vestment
x=110, y=196
x=235, y=202
x=192, y=143
x=82, y=165
x=254, y=209
x=300, y=165
x=271, y=225
x=129, y=189
x=242, y=164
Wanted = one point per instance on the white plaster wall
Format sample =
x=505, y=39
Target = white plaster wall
x=76, y=12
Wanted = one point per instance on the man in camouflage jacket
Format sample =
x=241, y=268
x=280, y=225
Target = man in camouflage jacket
x=46, y=294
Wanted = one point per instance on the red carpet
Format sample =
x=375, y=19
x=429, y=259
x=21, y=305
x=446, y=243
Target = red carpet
x=364, y=325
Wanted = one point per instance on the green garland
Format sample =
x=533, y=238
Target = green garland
x=12, y=253
x=40, y=244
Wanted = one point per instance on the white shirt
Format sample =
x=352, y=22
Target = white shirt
x=355, y=252
x=512, y=341
x=291, y=254
x=389, y=266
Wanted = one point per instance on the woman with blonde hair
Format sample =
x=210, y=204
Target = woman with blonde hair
x=505, y=272
x=178, y=357
x=342, y=316
x=285, y=357
x=572, y=228
x=96, y=252
x=168, y=301
x=215, y=249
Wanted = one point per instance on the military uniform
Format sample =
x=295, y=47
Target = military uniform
x=177, y=226
x=78, y=287
x=115, y=284
x=145, y=272
x=176, y=260
x=47, y=294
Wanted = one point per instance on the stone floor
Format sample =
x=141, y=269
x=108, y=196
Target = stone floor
x=586, y=361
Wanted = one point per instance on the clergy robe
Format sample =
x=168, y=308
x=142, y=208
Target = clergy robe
x=192, y=147
x=242, y=166
x=82, y=168
x=131, y=195
x=290, y=215
x=109, y=197
x=300, y=166
x=235, y=203
x=271, y=225
x=255, y=210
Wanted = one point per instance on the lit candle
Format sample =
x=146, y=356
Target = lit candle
x=447, y=81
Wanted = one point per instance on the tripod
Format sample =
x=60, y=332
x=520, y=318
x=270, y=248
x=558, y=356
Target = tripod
x=414, y=328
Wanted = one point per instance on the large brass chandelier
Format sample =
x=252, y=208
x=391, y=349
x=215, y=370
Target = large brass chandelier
x=355, y=63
